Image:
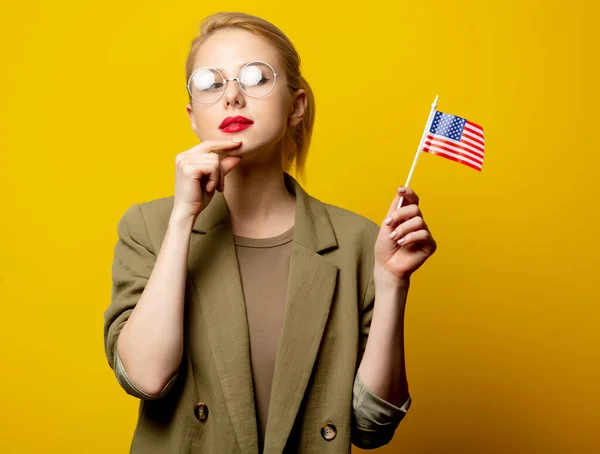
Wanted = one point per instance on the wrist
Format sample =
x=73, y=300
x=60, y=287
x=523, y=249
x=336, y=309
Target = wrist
x=387, y=281
x=181, y=219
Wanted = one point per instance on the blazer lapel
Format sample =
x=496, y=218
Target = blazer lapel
x=311, y=286
x=221, y=311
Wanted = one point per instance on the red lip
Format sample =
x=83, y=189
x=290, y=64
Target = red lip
x=235, y=127
x=235, y=120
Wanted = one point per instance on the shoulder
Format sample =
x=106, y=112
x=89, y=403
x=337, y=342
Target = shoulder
x=157, y=210
x=150, y=212
x=148, y=218
x=350, y=226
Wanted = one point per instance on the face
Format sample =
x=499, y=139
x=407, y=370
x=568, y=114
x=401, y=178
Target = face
x=271, y=116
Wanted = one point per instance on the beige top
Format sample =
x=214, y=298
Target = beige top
x=264, y=266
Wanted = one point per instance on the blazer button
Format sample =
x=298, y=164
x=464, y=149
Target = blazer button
x=328, y=432
x=201, y=411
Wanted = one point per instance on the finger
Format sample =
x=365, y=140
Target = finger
x=410, y=197
x=415, y=237
x=210, y=186
x=412, y=225
x=229, y=162
x=198, y=167
x=405, y=196
x=213, y=176
x=401, y=215
x=213, y=179
x=213, y=145
x=218, y=145
x=218, y=148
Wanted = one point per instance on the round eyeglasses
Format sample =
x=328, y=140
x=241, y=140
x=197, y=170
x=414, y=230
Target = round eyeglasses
x=257, y=79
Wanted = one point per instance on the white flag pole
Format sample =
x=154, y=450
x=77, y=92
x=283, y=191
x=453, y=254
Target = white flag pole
x=427, y=126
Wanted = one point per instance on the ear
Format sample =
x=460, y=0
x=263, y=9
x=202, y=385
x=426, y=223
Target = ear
x=298, y=108
x=190, y=113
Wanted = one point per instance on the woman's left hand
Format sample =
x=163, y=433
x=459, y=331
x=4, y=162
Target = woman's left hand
x=404, y=242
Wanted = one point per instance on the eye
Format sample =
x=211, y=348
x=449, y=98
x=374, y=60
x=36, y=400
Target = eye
x=216, y=86
x=252, y=75
x=206, y=79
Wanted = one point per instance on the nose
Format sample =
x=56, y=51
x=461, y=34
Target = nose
x=233, y=95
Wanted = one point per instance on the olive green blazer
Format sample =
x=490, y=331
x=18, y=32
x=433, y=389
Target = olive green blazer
x=318, y=403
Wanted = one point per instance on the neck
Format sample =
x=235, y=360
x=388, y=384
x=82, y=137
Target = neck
x=260, y=206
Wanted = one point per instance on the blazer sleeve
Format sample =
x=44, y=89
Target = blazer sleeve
x=374, y=419
x=132, y=265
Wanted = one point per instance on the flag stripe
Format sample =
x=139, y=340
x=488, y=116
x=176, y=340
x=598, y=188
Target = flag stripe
x=437, y=146
x=450, y=149
x=475, y=137
x=454, y=144
x=474, y=126
x=473, y=132
x=473, y=143
x=453, y=157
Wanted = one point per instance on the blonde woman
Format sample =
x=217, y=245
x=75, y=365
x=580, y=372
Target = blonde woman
x=247, y=315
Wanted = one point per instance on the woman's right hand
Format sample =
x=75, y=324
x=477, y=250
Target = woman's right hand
x=199, y=171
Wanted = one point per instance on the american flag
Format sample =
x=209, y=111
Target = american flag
x=457, y=139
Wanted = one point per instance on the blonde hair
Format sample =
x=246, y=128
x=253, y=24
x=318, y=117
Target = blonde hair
x=298, y=138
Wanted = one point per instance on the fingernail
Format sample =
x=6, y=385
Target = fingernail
x=236, y=140
x=401, y=240
x=388, y=221
x=393, y=234
x=401, y=190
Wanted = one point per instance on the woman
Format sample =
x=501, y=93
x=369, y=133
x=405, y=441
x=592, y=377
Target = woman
x=242, y=307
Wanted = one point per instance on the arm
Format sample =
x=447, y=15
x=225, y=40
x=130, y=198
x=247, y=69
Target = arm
x=144, y=325
x=380, y=393
x=382, y=368
x=404, y=243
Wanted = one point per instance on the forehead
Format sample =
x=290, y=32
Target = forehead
x=229, y=50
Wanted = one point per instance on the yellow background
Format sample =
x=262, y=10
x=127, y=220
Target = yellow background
x=503, y=337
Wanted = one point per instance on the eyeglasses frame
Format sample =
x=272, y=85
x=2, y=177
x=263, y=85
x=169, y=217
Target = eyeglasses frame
x=237, y=79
